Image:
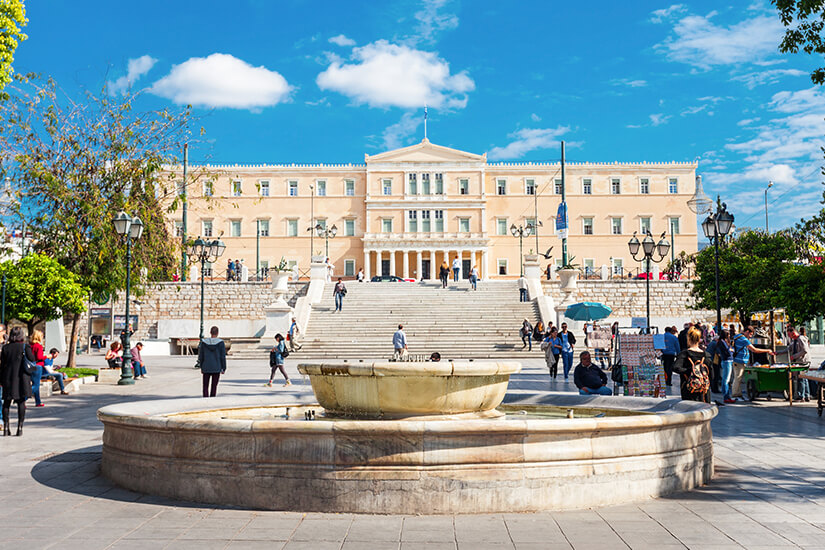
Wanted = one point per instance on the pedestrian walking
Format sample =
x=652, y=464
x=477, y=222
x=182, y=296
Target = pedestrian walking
x=338, y=293
x=276, y=361
x=212, y=360
x=522, y=289
x=456, y=268
x=548, y=272
x=526, y=333
x=360, y=277
x=292, y=336
x=800, y=352
x=474, y=277
x=690, y=364
x=443, y=273
x=16, y=370
x=549, y=358
x=568, y=340
x=36, y=344
x=399, y=342
x=138, y=366
x=669, y=354
x=725, y=364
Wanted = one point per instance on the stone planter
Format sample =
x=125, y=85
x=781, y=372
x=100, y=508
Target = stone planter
x=568, y=279
x=280, y=280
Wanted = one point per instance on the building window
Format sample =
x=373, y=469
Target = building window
x=349, y=188
x=207, y=228
x=464, y=225
x=349, y=268
x=557, y=187
x=502, y=266
x=263, y=188
x=387, y=187
x=501, y=187
x=587, y=187
x=264, y=268
x=236, y=188
x=293, y=188
x=439, y=221
x=644, y=186
x=464, y=186
x=589, y=266
x=425, y=221
x=412, y=221
x=616, y=226
x=208, y=188
x=616, y=186
x=292, y=228
x=618, y=268
x=439, y=184
x=263, y=228
x=557, y=262
x=644, y=225
x=674, y=226
x=349, y=227
x=413, y=187
x=501, y=226
x=321, y=222
x=587, y=226
x=425, y=184
x=322, y=188
x=530, y=186
x=178, y=229
x=235, y=228
x=673, y=186
x=207, y=269
x=530, y=222
x=386, y=225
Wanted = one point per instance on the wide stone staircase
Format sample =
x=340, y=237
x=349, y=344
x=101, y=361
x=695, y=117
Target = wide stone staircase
x=457, y=321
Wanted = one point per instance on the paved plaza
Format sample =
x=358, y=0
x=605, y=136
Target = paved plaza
x=769, y=490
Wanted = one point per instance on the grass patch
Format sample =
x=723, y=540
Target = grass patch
x=79, y=372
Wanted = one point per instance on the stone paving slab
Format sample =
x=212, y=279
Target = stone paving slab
x=769, y=491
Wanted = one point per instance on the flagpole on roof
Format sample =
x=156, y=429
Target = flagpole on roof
x=425, y=121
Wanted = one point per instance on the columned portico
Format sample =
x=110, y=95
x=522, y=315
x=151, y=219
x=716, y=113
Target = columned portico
x=405, y=258
x=367, y=260
x=392, y=261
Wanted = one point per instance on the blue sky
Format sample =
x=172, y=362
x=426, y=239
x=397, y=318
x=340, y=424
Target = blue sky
x=327, y=81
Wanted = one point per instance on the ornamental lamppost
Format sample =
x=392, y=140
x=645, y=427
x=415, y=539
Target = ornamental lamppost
x=130, y=228
x=650, y=250
x=715, y=227
x=203, y=251
x=327, y=234
x=521, y=231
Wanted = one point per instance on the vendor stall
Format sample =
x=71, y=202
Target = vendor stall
x=770, y=373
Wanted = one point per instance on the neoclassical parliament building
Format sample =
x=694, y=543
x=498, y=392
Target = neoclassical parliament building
x=405, y=211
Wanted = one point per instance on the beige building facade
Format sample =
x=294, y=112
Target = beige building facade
x=405, y=211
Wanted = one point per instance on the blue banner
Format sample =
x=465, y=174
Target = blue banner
x=561, y=217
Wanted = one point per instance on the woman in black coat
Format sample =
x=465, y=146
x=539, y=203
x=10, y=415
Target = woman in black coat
x=16, y=377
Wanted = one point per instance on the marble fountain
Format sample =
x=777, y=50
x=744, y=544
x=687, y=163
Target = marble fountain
x=409, y=438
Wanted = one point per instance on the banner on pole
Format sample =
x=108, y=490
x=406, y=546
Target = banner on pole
x=561, y=220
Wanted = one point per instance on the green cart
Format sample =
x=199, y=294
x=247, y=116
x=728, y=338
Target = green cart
x=759, y=379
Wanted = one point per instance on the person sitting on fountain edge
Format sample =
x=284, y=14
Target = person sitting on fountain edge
x=589, y=378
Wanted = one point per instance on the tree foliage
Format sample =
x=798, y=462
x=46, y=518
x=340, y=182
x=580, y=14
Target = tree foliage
x=804, y=22
x=74, y=165
x=12, y=20
x=39, y=289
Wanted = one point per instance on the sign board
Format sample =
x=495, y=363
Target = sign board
x=100, y=312
x=561, y=218
x=638, y=322
x=120, y=323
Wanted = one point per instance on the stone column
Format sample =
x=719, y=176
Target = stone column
x=392, y=261
x=433, y=268
x=485, y=269
x=418, y=258
x=367, y=255
x=405, y=262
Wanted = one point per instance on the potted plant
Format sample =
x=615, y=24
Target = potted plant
x=568, y=274
x=280, y=275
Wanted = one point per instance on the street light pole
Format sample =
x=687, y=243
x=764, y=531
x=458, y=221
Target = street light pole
x=715, y=227
x=521, y=231
x=327, y=233
x=203, y=252
x=650, y=251
x=130, y=228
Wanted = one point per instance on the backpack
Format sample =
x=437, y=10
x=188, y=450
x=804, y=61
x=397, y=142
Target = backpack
x=698, y=381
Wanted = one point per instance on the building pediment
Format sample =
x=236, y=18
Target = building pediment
x=425, y=152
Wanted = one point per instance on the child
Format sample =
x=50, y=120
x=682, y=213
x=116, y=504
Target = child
x=49, y=372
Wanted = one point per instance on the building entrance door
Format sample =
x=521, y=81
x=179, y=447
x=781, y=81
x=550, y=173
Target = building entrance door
x=385, y=268
x=425, y=270
x=465, y=269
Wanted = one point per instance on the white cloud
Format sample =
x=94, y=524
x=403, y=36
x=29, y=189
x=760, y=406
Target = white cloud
x=534, y=117
x=395, y=135
x=135, y=69
x=697, y=41
x=222, y=80
x=526, y=140
x=342, y=40
x=388, y=75
x=747, y=121
x=696, y=109
x=660, y=15
x=761, y=78
x=658, y=119
x=432, y=20
x=628, y=82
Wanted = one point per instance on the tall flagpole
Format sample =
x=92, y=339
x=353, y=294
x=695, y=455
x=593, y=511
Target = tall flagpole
x=564, y=202
x=425, y=121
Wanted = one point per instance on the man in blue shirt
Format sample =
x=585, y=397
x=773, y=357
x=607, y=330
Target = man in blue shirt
x=294, y=344
x=399, y=341
x=742, y=349
x=670, y=352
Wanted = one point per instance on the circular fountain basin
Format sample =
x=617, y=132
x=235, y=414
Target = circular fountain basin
x=404, y=389
x=248, y=452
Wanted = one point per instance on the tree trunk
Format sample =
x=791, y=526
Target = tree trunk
x=70, y=360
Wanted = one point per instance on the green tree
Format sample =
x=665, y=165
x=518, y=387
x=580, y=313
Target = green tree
x=40, y=289
x=751, y=268
x=12, y=20
x=804, y=21
x=74, y=165
x=802, y=292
